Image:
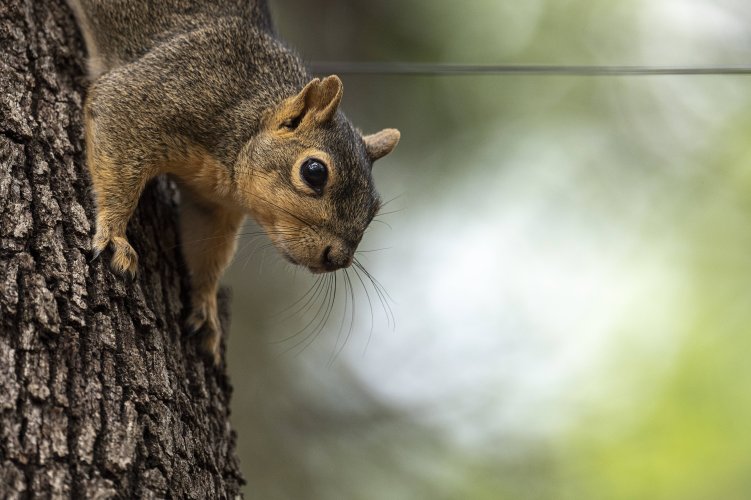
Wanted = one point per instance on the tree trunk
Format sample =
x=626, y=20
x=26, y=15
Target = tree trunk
x=100, y=393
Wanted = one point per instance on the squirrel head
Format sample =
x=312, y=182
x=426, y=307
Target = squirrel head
x=309, y=182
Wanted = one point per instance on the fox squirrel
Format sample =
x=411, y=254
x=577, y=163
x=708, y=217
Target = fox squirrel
x=205, y=92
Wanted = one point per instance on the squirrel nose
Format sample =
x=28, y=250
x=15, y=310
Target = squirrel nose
x=336, y=257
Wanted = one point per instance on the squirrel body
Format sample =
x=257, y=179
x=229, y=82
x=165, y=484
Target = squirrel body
x=205, y=92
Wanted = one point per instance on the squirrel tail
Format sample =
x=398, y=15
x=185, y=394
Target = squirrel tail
x=95, y=63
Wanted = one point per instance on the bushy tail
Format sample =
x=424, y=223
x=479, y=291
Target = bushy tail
x=94, y=62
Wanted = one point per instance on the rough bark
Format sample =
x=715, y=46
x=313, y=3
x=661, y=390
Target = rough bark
x=100, y=393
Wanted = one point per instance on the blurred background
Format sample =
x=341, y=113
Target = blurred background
x=565, y=263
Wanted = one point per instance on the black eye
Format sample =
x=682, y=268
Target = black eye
x=315, y=174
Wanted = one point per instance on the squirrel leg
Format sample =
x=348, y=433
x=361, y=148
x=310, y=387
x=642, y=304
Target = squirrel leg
x=117, y=190
x=117, y=185
x=208, y=240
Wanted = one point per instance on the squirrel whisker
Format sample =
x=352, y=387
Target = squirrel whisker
x=317, y=281
x=329, y=309
x=323, y=312
x=348, y=289
x=383, y=295
x=370, y=304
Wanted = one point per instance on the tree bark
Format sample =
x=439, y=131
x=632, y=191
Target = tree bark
x=100, y=393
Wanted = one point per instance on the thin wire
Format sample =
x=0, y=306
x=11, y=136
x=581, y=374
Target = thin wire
x=449, y=69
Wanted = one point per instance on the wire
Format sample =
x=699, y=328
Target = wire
x=447, y=69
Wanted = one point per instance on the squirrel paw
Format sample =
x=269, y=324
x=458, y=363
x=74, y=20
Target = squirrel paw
x=124, y=258
x=205, y=319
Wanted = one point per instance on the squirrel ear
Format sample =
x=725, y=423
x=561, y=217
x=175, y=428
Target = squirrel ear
x=324, y=101
x=319, y=100
x=381, y=143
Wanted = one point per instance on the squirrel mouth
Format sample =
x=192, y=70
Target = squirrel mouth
x=288, y=257
x=292, y=260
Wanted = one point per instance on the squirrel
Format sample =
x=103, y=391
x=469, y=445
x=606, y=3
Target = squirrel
x=204, y=91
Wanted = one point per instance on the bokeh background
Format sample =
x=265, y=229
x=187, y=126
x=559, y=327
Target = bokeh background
x=568, y=261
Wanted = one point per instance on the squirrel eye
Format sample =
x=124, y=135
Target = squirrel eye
x=315, y=174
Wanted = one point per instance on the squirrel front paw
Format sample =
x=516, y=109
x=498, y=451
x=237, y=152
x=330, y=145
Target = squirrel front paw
x=205, y=319
x=124, y=258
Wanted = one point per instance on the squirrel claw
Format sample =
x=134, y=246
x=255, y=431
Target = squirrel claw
x=95, y=254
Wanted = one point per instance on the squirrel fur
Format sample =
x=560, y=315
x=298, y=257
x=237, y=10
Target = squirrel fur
x=205, y=92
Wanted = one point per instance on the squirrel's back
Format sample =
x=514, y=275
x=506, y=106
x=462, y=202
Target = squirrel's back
x=119, y=31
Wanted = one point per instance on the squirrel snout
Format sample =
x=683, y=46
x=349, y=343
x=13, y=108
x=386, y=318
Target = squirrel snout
x=336, y=257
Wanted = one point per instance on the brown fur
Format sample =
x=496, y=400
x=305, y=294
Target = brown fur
x=204, y=92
